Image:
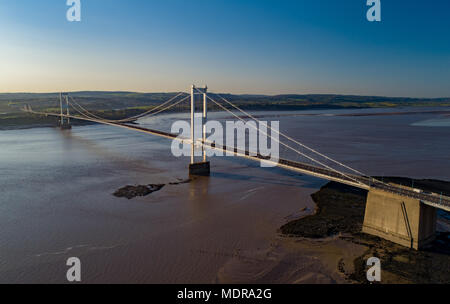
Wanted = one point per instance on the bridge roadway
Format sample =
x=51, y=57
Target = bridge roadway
x=362, y=182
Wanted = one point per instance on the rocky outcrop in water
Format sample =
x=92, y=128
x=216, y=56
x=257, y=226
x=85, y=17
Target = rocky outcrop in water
x=134, y=191
x=143, y=190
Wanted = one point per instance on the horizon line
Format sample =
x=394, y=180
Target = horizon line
x=235, y=94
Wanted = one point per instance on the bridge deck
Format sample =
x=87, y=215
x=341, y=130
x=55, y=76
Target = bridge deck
x=363, y=182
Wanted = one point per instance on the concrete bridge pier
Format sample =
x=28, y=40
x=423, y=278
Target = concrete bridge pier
x=399, y=219
x=64, y=125
x=202, y=169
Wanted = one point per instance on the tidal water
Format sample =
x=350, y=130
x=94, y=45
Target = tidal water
x=56, y=190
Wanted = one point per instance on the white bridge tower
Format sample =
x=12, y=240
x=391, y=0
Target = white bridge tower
x=203, y=167
x=64, y=124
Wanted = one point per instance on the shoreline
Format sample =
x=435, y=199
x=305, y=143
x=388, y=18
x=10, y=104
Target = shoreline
x=36, y=124
x=323, y=252
x=339, y=215
x=31, y=121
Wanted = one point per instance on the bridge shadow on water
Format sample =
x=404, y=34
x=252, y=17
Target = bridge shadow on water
x=286, y=178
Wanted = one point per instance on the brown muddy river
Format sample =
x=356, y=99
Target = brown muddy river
x=56, y=196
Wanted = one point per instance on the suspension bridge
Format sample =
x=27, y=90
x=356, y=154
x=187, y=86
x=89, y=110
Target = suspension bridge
x=404, y=215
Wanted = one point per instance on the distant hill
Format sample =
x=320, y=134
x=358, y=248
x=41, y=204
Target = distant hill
x=104, y=101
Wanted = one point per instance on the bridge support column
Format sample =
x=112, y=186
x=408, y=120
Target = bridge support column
x=200, y=168
x=402, y=220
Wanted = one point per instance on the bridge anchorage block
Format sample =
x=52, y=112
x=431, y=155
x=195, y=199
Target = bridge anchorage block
x=402, y=220
x=201, y=169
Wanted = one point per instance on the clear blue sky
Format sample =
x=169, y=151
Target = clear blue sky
x=238, y=46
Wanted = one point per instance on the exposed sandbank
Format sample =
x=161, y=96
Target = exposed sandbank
x=327, y=247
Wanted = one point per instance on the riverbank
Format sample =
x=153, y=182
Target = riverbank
x=21, y=120
x=340, y=214
x=326, y=246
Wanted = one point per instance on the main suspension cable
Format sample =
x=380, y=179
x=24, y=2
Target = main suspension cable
x=291, y=139
x=123, y=121
x=285, y=145
x=130, y=118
